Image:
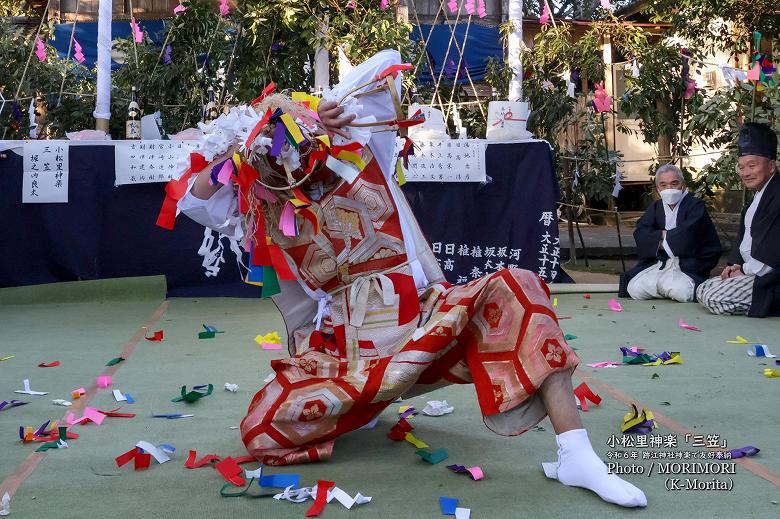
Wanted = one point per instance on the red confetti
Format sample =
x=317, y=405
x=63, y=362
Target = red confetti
x=49, y=365
x=231, y=471
x=157, y=337
x=322, y=498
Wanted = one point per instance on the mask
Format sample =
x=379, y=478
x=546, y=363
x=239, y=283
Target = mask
x=671, y=196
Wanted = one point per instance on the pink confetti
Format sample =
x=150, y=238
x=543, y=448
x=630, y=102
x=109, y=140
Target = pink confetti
x=754, y=74
x=545, y=18
x=179, y=9
x=603, y=365
x=470, y=6
x=40, y=49
x=271, y=346
x=685, y=326
x=383, y=4
x=614, y=305
x=223, y=177
x=601, y=101
x=103, y=381
x=476, y=473
x=224, y=8
x=481, y=9
x=138, y=34
x=78, y=55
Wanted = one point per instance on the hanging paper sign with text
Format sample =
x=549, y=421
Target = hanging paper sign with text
x=45, y=174
x=446, y=160
x=145, y=161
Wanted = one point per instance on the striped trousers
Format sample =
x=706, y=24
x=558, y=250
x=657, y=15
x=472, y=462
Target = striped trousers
x=730, y=296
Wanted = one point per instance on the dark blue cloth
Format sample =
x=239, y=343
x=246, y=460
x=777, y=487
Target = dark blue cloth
x=102, y=232
x=483, y=43
x=86, y=34
x=509, y=221
x=106, y=231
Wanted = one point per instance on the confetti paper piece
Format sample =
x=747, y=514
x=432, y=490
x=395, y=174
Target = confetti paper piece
x=638, y=422
x=437, y=408
x=195, y=395
x=414, y=441
x=738, y=340
x=462, y=513
x=179, y=9
x=280, y=480
x=211, y=329
x=345, y=499
x=744, y=452
x=231, y=471
x=103, y=381
x=399, y=430
x=78, y=393
x=28, y=391
x=194, y=463
x=771, y=373
x=49, y=365
x=123, y=397
x=666, y=358
x=78, y=53
x=555, y=301
x=569, y=337
x=433, y=457
x=40, y=49
x=231, y=387
x=607, y=364
x=475, y=473
x=142, y=460
x=5, y=504
x=114, y=413
x=584, y=393
x=587, y=296
x=407, y=411
x=9, y=357
x=138, y=33
x=158, y=452
x=158, y=336
x=64, y=403
x=172, y=416
x=760, y=350
x=266, y=341
x=614, y=305
x=5, y=404
x=206, y=335
x=90, y=414
x=115, y=361
x=448, y=505
x=685, y=326
x=322, y=489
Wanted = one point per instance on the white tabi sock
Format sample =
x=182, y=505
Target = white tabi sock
x=579, y=466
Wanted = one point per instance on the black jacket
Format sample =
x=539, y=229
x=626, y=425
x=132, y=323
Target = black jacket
x=694, y=241
x=765, y=232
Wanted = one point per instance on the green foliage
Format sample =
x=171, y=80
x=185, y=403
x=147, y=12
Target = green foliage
x=15, y=8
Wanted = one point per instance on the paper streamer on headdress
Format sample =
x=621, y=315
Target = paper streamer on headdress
x=175, y=190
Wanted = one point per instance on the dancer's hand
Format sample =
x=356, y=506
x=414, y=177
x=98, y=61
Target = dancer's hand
x=731, y=271
x=330, y=116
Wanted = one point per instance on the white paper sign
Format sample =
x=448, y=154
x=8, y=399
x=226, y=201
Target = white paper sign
x=142, y=162
x=45, y=174
x=446, y=160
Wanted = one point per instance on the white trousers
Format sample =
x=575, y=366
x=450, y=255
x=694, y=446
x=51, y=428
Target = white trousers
x=667, y=283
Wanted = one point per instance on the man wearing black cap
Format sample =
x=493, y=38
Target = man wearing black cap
x=750, y=284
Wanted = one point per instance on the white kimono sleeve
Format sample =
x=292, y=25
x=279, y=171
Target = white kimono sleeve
x=219, y=213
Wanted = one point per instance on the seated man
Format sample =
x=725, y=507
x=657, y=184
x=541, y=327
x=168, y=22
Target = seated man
x=750, y=284
x=677, y=243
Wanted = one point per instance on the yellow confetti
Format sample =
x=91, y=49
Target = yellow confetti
x=399, y=173
x=555, y=301
x=738, y=340
x=269, y=338
x=416, y=442
x=771, y=373
x=7, y=358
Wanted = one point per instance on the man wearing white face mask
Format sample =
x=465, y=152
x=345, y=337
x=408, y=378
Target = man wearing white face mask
x=676, y=242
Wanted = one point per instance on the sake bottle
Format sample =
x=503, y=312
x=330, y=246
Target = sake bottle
x=133, y=124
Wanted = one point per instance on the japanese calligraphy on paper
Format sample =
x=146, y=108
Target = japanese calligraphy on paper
x=45, y=172
x=144, y=161
x=446, y=160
